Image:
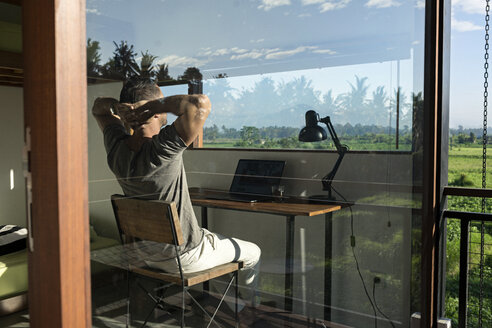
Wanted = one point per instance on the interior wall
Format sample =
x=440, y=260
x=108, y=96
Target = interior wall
x=12, y=194
x=102, y=183
x=368, y=178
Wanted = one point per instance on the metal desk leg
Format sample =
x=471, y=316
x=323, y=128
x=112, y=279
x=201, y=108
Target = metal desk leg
x=328, y=258
x=204, y=217
x=206, y=285
x=289, y=261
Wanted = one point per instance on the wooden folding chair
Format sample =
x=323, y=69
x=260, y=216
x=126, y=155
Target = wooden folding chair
x=157, y=221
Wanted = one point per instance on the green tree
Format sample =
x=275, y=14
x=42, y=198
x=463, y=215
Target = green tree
x=162, y=73
x=298, y=93
x=354, y=102
x=462, y=138
x=124, y=60
x=147, y=69
x=191, y=74
x=211, y=133
x=93, y=58
x=221, y=76
x=110, y=71
x=378, y=106
x=250, y=136
x=473, y=138
x=330, y=105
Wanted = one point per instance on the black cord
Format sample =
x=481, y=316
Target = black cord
x=352, y=244
x=377, y=307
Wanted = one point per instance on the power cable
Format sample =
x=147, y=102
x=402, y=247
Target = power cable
x=352, y=244
x=376, y=280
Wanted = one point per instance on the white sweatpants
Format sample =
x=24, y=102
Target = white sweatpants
x=214, y=250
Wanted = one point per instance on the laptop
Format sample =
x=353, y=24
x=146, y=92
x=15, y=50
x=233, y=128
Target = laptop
x=254, y=180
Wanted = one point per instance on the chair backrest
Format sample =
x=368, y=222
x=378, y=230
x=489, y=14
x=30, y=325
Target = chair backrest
x=152, y=220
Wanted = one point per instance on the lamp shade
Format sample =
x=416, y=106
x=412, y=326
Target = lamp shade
x=312, y=132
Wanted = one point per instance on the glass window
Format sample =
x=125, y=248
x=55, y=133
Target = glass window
x=264, y=64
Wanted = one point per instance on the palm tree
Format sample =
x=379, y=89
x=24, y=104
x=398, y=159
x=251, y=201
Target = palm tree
x=147, y=69
x=93, y=58
x=379, y=106
x=298, y=94
x=110, y=71
x=162, y=73
x=330, y=105
x=124, y=60
x=354, y=101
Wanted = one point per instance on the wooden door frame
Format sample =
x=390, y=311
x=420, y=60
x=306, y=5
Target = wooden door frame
x=436, y=129
x=55, y=109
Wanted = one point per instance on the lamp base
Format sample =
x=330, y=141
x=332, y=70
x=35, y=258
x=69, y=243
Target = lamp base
x=321, y=199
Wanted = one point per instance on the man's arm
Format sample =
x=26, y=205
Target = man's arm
x=191, y=110
x=101, y=110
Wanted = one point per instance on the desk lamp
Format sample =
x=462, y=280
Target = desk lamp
x=312, y=132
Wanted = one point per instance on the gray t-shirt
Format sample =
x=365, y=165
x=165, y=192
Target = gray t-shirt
x=156, y=171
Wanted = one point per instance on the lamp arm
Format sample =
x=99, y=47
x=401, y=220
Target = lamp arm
x=341, y=150
x=333, y=134
x=328, y=179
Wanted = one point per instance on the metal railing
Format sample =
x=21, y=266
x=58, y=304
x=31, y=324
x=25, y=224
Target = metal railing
x=484, y=269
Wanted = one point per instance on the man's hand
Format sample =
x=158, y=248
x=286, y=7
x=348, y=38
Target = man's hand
x=103, y=113
x=138, y=113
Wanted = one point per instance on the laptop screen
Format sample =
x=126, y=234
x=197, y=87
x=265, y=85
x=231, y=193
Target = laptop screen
x=257, y=177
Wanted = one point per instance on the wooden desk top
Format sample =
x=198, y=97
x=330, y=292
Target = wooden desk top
x=290, y=207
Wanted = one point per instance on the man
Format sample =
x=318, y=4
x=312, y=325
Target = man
x=149, y=164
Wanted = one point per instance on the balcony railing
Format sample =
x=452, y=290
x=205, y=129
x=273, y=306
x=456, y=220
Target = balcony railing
x=473, y=223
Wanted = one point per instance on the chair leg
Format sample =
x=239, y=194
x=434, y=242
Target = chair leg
x=150, y=313
x=183, y=308
x=236, y=317
x=128, y=285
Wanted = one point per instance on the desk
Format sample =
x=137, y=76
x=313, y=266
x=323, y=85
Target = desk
x=290, y=209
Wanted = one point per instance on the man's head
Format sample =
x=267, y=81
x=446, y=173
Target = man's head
x=137, y=89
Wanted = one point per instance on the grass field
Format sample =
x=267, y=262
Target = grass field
x=468, y=161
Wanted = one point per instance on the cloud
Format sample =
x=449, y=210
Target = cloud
x=326, y=5
x=181, y=61
x=382, y=3
x=325, y=51
x=257, y=41
x=333, y=5
x=277, y=53
x=420, y=4
x=270, y=4
x=254, y=54
x=470, y=6
x=464, y=26
x=288, y=53
x=208, y=52
x=238, y=50
x=93, y=11
x=312, y=2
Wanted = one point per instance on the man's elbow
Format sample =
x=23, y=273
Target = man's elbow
x=204, y=104
x=201, y=107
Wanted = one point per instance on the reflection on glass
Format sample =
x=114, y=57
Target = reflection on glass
x=263, y=64
x=352, y=61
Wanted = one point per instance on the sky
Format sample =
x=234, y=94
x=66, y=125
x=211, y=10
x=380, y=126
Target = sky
x=327, y=41
x=467, y=63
